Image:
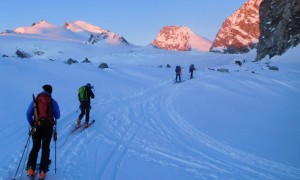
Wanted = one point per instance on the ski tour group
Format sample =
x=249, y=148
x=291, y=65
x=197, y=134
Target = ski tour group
x=178, y=72
x=42, y=115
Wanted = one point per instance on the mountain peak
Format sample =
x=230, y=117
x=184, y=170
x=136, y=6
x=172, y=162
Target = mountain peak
x=180, y=38
x=40, y=27
x=41, y=22
x=240, y=31
x=81, y=26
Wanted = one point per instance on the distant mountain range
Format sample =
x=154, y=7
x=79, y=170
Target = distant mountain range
x=78, y=31
x=271, y=26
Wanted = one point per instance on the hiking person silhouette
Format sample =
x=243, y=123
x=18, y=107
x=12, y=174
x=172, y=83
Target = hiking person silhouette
x=192, y=69
x=178, y=73
x=41, y=115
x=85, y=94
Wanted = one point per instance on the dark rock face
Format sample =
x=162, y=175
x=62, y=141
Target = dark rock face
x=279, y=27
x=94, y=38
x=239, y=32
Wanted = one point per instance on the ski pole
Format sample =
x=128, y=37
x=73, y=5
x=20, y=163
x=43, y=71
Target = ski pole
x=24, y=163
x=55, y=139
x=26, y=145
x=55, y=153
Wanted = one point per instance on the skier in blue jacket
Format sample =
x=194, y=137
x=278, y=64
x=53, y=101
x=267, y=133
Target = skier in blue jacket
x=48, y=111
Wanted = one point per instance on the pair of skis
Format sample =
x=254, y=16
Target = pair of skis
x=84, y=128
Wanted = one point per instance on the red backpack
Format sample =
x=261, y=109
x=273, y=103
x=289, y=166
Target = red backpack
x=44, y=109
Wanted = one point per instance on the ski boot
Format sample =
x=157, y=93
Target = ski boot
x=86, y=125
x=42, y=175
x=30, y=172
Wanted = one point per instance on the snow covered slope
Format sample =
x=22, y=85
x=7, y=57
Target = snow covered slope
x=180, y=38
x=230, y=122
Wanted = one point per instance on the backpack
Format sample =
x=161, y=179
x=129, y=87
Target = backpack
x=177, y=70
x=44, y=109
x=83, y=94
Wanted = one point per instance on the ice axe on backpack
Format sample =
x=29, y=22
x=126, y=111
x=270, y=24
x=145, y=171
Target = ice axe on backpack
x=35, y=121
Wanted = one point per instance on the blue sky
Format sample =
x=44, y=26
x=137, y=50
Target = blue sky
x=139, y=21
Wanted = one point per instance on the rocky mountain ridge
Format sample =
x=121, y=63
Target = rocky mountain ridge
x=239, y=33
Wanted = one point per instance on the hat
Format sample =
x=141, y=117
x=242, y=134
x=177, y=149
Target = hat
x=89, y=86
x=47, y=88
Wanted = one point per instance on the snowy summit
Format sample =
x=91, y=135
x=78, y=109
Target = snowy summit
x=78, y=31
x=181, y=39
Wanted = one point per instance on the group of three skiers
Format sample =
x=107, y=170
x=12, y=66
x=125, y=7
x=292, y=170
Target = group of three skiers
x=42, y=114
x=178, y=72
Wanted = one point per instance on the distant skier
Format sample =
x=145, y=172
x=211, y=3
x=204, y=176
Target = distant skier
x=40, y=115
x=85, y=94
x=192, y=69
x=178, y=73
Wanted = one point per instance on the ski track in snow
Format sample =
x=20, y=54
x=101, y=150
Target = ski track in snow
x=122, y=132
x=250, y=166
x=170, y=129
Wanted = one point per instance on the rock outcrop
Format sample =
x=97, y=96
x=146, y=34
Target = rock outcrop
x=279, y=27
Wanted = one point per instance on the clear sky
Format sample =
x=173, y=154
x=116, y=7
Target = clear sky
x=139, y=21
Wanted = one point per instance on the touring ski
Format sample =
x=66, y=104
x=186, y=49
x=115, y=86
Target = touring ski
x=175, y=82
x=76, y=127
x=92, y=122
x=33, y=176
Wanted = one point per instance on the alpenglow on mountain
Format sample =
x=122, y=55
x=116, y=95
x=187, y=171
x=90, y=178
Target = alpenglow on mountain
x=78, y=31
x=239, y=32
x=179, y=38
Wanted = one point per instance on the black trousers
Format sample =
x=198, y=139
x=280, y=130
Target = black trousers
x=192, y=72
x=85, y=107
x=41, y=138
x=178, y=76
